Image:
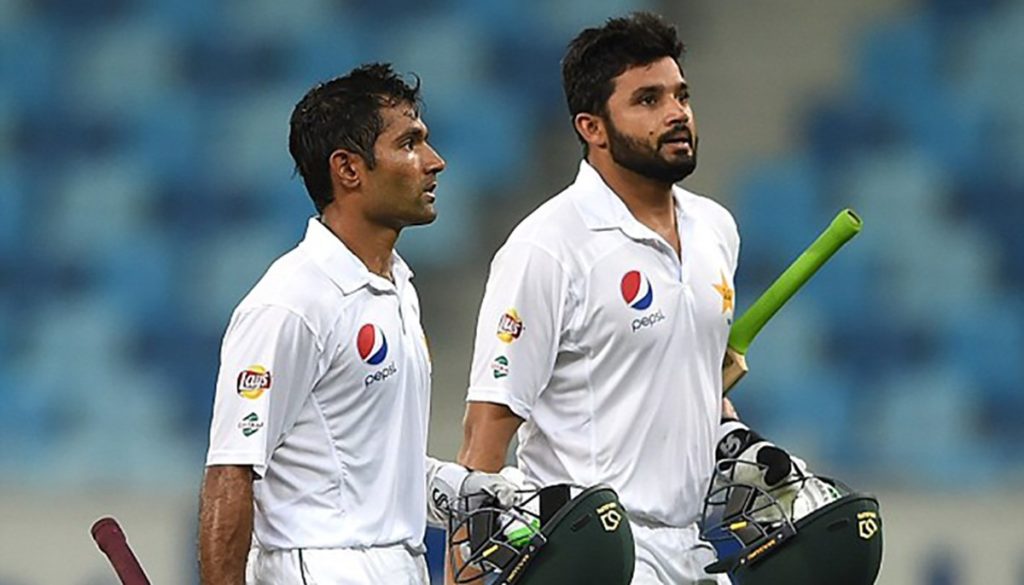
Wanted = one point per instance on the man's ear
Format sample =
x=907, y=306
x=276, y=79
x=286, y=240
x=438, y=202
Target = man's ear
x=347, y=168
x=592, y=128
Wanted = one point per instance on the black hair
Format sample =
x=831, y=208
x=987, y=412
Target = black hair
x=598, y=55
x=343, y=113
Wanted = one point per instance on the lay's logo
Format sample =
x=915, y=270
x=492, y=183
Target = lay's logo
x=253, y=382
x=510, y=326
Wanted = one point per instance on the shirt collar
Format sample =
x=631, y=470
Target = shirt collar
x=602, y=209
x=344, y=268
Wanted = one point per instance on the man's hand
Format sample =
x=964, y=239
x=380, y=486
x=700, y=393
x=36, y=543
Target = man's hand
x=773, y=464
x=504, y=492
x=728, y=410
x=449, y=484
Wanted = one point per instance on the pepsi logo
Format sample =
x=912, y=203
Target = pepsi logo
x=372, y=345
x=636, y=290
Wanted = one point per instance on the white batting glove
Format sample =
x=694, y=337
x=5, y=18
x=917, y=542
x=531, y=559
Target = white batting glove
x=775, y=465
x=504, y=492
x=448, y=483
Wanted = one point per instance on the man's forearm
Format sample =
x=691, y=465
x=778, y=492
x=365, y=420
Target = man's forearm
x=487, y=431
x=225, y=524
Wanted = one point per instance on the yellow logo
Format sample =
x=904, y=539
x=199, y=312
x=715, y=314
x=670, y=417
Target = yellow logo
x=610, y=517
x=752, y=556
x=728, y=294
x=867, y=525
x=510, y=326
x=253, y=382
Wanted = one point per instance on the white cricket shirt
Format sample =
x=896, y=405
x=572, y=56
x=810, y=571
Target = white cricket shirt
x=324, y=388
x=593, y=331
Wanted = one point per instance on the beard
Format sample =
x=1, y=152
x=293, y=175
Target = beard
x=642, y=159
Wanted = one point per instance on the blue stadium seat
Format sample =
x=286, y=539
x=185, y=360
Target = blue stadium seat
x=956, y=12
x=1001, y=209
x=983, y=340
x=14, y=214
x=120, y=68
x=248, y=139
x=28, y=420
x=565, y=19
x=186, y=20
x=31, y=60
x=141, y=278
x=781, y=209
x=923, y=431
x=450, y=238
x=899, y=65
x=488, y=137
x=100, y=206
x=170, y=136
x=327, y=52
x=842, y=128
x=224, y=266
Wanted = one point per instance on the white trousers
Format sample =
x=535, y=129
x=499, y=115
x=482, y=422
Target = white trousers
x=672, y=556
x=394, y=565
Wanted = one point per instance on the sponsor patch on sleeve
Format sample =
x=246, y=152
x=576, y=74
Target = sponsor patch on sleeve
x=500, y=367
x=510, y=326
x=253, y=382
x=250, y=424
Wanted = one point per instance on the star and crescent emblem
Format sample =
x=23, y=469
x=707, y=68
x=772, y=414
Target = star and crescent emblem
x=727, y=292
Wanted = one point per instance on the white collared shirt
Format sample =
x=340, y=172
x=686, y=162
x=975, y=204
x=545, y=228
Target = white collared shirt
x=324, y=388
x=610, y=347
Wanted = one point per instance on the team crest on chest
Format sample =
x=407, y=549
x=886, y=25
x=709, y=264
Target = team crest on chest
x=727, y=292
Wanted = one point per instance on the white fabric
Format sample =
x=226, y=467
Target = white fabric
x=614, y=386
x=448, y=482
x=672, y=556
x=324, y=388
x=394, y=565
x=444, y=481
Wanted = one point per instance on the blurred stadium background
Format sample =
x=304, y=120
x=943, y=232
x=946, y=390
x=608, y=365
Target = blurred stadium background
x=145, y=184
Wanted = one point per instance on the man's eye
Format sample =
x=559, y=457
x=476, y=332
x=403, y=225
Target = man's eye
x=648, y=100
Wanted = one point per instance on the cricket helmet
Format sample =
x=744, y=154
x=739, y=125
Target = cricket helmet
x=808, y=530
x=559, y=534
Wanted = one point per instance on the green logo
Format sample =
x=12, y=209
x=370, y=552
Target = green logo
x=500, y=367
x=250, y=424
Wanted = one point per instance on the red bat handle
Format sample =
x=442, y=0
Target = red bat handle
x=110, y=538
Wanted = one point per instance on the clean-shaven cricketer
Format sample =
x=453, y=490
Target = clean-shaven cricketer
x=317, y=458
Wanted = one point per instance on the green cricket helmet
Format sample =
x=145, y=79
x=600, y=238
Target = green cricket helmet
x=810, y=530
x=559, y=534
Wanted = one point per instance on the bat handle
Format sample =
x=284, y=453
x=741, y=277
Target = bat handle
x=734, y=367
x=111, y=540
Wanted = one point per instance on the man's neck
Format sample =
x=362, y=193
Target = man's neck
x=650, y=201
x=372, y=243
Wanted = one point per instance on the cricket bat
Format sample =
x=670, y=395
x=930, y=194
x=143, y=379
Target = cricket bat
x=110, y=538
x=843, y=227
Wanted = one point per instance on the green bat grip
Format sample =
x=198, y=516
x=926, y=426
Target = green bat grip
x=843, y=227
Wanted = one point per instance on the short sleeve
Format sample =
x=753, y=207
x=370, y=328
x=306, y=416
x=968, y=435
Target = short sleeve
x=733, y=240
x=268, y=367
x=519, y=327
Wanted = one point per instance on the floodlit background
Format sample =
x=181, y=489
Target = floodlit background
x=145, y=185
